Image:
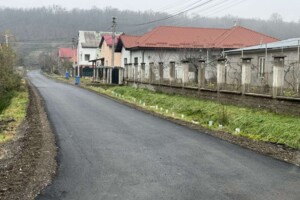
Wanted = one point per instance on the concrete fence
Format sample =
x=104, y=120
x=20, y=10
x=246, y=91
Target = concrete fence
x=244, y=78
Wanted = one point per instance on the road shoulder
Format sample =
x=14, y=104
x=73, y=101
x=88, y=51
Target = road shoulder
x=29, y=164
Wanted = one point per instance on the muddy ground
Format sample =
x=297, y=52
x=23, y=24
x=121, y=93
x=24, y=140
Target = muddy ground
x=27, y=164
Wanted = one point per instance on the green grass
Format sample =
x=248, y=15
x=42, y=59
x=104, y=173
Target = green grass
x=5, y=100
x=13, y=107
x=255, y=124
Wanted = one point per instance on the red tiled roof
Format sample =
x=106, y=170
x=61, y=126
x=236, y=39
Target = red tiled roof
x=129, y=40
x=239, y=37
x=67, y=53
x=108, y=40
x=188, y=37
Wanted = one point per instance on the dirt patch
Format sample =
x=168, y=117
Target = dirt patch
x=27, y=164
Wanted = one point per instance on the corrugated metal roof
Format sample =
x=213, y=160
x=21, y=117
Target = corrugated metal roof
x=289, y=43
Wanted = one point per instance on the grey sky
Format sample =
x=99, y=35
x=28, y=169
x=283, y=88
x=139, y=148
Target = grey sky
x=288, y=9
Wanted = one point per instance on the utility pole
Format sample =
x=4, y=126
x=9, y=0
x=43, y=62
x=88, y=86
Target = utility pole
x=77, y=78
x=73, y=55
x=113, y=48
x=6, y=38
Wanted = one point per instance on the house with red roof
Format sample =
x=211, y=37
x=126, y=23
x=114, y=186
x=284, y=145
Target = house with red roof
x=110, y=67
x=105, y=47
x=167, y=45
x=67, y=54
x=67, y=57
x=88, y=51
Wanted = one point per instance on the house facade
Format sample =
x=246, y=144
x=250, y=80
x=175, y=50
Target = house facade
x=263, y=59
x=166, y=48
x=110, y=68
x=87, y=50
x=67, y=57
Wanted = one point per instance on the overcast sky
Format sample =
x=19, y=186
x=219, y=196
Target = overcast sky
x=288, y=9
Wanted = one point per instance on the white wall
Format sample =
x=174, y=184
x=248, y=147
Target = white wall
x=82, y=51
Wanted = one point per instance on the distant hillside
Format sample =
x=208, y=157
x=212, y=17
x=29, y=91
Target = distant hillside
x=58, y=23
x=35, y=29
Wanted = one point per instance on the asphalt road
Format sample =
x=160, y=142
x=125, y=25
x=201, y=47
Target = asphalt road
x=110, y=151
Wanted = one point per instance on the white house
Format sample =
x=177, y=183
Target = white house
x=87, y=50
x=166, y=47
x=263, y=76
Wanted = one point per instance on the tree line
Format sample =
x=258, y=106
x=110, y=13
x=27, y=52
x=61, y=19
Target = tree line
x=57, y=23
x=47, y=28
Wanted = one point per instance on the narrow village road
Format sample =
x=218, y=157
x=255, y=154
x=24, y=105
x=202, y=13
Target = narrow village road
x=111, y=151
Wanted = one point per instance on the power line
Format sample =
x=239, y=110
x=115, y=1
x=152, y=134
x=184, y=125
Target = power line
x=208, y=7
x=224, y=8
x=176, y=14
x=217, y=4
x=168, y=7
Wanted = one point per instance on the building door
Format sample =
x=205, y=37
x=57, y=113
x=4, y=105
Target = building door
x=115, y=76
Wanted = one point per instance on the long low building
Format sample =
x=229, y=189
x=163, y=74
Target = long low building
x=167, y=45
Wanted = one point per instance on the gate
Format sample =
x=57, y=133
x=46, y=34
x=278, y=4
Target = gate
x=115, y=76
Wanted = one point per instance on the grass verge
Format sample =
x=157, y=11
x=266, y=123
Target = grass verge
x=255, y=124
x=12, y=112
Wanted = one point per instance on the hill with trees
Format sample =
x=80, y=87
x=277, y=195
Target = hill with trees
x=45, y=29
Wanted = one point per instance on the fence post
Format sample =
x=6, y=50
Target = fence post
x=126, y=71
x=172, y=72
x=130, y=73
x=121, y=75
x=221, y=73
x=104, y=75
x=135, y=74
x=201, y=74
x=150, y=74
x=246, y=74
x=161, y=72
x=143, y=72
x=185, y=71
x=278, y=74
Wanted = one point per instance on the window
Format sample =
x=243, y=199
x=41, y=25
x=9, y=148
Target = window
x=136, y=60
x=261, y=66
x=125, y=61
x=86, y=57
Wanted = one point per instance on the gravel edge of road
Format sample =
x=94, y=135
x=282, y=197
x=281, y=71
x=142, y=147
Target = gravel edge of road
x=32, y=164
